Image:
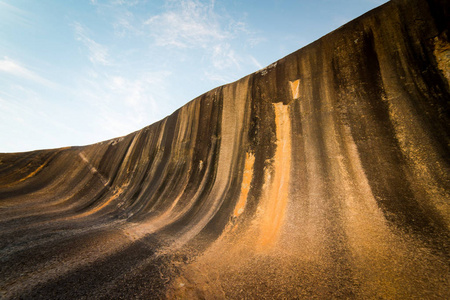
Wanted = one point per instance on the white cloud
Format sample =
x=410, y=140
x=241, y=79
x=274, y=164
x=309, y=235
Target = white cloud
x=116, y=2
x=225, y=57
x=12, y=15
x=220, y=78
x=125, y=2
x=136, y=93
x=15, y=68
x=255, y=62
x=127, y=96
x=9, y=66
x=39, y=123
x=98, y=54
x=124, y=104
x=121, y=16
x=188, y=23
x=123, y=25
x=256, y=40
x=196, y=28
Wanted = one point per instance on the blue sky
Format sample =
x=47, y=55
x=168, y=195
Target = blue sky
x=76, y=72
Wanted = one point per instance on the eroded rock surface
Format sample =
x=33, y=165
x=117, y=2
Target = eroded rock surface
x=325, y=175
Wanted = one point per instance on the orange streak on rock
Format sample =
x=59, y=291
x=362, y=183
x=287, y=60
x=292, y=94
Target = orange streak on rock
x=245, y=186
x=295, y=88
x=103, y=205
x=30, y=175
x=34, y=172
x=277, y=188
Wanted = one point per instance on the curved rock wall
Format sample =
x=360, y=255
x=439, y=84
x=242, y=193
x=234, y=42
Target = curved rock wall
x=324, y=175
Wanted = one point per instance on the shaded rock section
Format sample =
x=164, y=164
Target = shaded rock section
x=324, y=175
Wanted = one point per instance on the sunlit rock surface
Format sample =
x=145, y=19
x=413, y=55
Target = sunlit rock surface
x=324, y=175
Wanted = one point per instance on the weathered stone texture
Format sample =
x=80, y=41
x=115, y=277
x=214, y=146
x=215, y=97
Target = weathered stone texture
x=325, y=175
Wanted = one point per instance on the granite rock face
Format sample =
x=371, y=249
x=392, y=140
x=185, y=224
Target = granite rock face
x=325, y=175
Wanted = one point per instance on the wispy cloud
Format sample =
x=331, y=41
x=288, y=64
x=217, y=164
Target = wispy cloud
x=255, y=40
x=98, y=54
x=126, y=2
x=125, y=99
x=219, y=39
x=216, y=77
x=225, y=57
x=136, y=92
x=116, y=2
x=255, y=62
x=121, y=16
x=123, y=104
x=186, y=29
x=39, y=122
x=13, y=15
x=15, y=68
x=124, y=24
x=188, y=23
